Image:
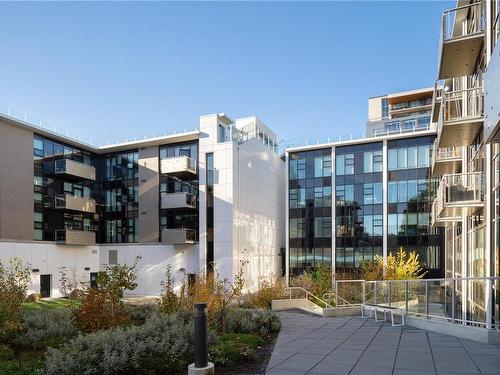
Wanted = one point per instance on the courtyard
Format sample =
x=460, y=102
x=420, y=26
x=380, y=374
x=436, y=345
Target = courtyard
x=309, y=344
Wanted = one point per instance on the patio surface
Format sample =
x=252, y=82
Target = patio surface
x=309, y=344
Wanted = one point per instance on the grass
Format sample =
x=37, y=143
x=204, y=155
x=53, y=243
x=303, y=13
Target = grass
x=56, y=303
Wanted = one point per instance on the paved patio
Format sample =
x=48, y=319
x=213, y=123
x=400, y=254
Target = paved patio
x=309, y=344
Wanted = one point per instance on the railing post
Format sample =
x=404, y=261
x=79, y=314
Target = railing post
x=336, y=294
x=375, y=293
x=363, y=291
x=453, y=299
x=426, y=300
x=489, y=304
x=389, y=297
x=406, y=296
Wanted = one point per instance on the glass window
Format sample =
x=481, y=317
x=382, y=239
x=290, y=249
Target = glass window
x=393, y=159
x=392, y=194
x=339, y=165
x=412, y=190
x=402, y=191
x=423, y=156
x=402, y=158
x=368, y=162
x=412, y=157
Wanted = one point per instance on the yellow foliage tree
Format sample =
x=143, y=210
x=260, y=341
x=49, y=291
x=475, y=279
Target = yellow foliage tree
x=400, y=266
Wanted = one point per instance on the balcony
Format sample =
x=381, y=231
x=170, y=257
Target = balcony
x=74, y=169
x=461, y=117
x=446, y=160
x=458, y=194
x=178, y=200
x=462, y=37
x=75, y=237
x=178, y=236
x=72, y=203
x=179, y=165
x=436, y=101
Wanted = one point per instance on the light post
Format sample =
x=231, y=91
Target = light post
x=201, y=366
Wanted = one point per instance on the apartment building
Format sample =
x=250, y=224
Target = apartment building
x=400, y=112
x=199, y=201
x=350, y=201
x=467, y=154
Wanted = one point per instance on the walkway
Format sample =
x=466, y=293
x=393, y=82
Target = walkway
x=309, y=344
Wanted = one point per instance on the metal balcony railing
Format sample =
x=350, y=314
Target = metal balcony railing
x=178, y=164
x=462, y=105
x=468, y=301
x=443, y=154
x=455, y=193
x=463, y=21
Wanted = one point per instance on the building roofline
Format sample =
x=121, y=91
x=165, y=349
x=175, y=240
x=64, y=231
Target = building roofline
x=373, y=139
x=121, y=146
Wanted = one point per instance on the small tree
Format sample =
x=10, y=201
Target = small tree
x=401, y=266
x=102, y=307
x=169, y=301
x=14, y=280
x=64, y=282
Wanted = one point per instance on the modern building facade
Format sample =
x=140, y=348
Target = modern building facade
x=467, y=113
x=400, y=112
x=204, y=200
x=353, y=200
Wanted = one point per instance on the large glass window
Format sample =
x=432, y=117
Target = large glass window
x=310, y=209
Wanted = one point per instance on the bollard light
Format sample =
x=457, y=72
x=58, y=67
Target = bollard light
x=201, y=366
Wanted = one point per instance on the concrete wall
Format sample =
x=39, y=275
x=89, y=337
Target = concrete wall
x=16, y=183
x=153, y=264
x=258, y=210
x=48, y=258
x=249, y=205
x=149, y=196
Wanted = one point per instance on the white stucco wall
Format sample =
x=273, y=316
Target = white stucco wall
x=49, y=258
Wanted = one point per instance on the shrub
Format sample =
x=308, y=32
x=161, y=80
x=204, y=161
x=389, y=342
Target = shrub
x=169, y=301
x=401, y=266
x=140, y=313
x=259, y=321
x=266, y=292
x=162, y=343
x=26, y=367
x=103, y=307
x=6, y=353
x=14, y=280
x=232, y=349
x=41, y=325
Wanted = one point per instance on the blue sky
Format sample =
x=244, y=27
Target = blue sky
x=120, y=70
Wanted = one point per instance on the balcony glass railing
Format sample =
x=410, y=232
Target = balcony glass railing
x=463, y=21
x=440, y=154
x=462, y=188
x=462, y=104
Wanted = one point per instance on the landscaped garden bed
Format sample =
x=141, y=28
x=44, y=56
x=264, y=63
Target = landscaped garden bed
x=99, y=333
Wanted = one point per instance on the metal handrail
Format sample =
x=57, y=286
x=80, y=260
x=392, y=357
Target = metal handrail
x=462, y=104
x=337, y=297
x=288, y=290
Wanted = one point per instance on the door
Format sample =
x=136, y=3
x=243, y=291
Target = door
x=93, y=279
x=45, y=287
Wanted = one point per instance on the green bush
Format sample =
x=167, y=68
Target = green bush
x=43, y=328
x=26, y=367
x=232, y=349
x=140, y=313
x=6, y=353
x=259, y=321
x=163, y=343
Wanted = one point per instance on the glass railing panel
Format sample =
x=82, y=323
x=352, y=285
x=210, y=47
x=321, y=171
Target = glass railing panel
x=416, y=297
x=463, y=21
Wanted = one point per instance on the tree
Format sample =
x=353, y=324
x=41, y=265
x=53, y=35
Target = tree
x=14, y=280
x=102, y=307
x=401, y=266
x=169, y=301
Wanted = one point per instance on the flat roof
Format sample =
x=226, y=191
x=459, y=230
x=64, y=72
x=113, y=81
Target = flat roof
x=113, y=147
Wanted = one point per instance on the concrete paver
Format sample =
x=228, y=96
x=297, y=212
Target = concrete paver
x=309, y=344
